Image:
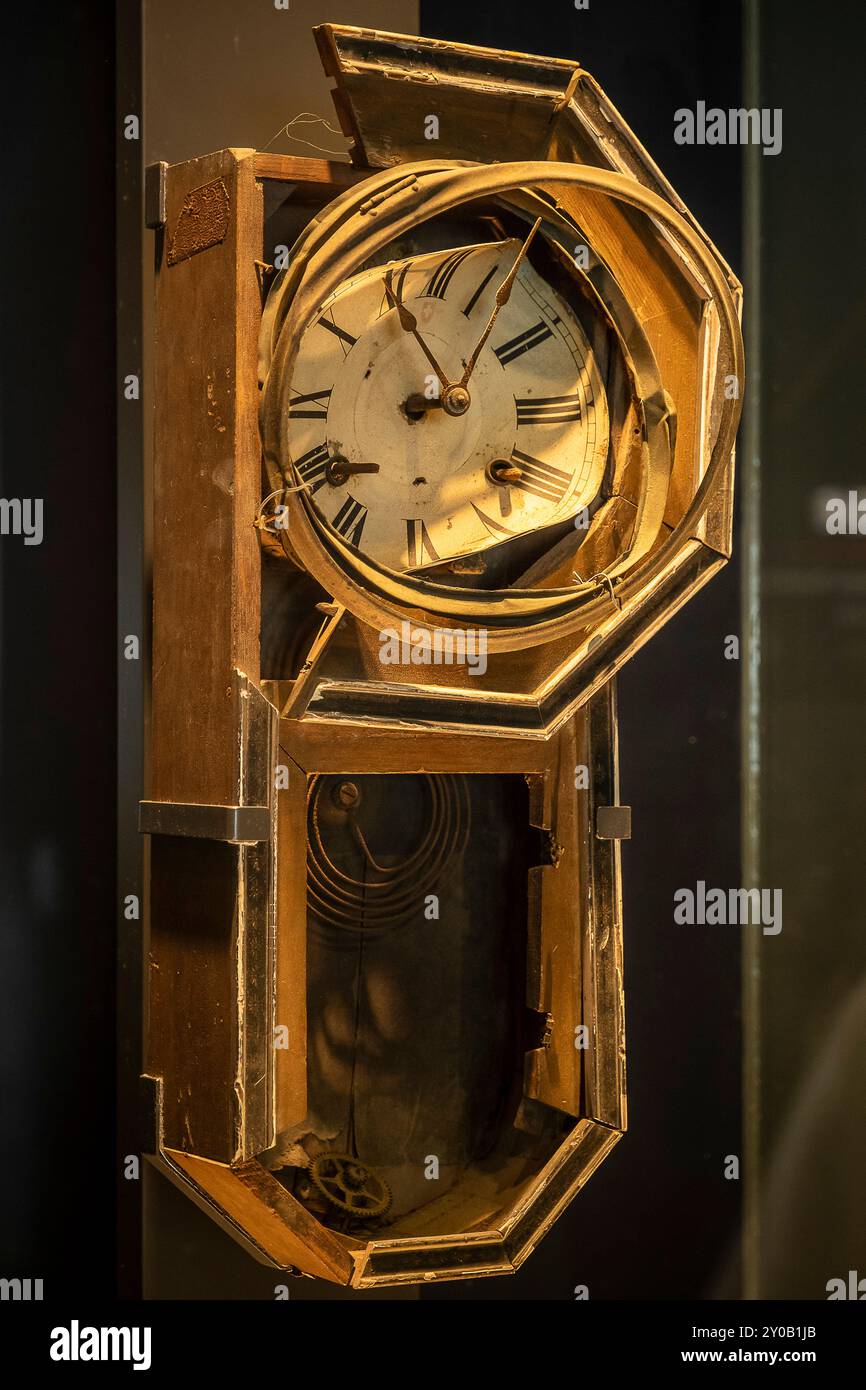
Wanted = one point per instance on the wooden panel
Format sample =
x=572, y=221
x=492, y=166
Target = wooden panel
x=210, y=1021
x=559, y=891
x=558, y=1183
x=340, y=746
x=283, y=1230
x=290, y=985
x=603, y=1000
x=328, y=176
x=207, y=471
x=193, y=985
x=254, y=1008
x=210, y=1030
x=519, y=95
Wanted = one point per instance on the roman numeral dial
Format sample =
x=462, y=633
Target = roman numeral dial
x=539, y=478
x=349, y=521
x=310, y=468
x=346, y=339
x=549, y=410
x=479, y=290
x=523, y=342
x=313, y=406
x=388, y=466
x=419, y=547
x=437, y=285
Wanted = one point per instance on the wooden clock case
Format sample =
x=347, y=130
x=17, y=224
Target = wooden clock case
x=242, y=723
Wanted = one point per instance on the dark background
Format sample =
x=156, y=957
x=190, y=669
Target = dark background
x=58, y=918
x=658, y=1220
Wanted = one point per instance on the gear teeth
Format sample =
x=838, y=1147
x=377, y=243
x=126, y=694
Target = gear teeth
x=339, y=1178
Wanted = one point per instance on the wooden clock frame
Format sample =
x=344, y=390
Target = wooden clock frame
x=227, y=910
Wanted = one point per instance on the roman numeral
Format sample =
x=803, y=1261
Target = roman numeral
x=320, y=398
x=347, y=342
x=419, y=546
x=524, y=342
x=397, y=287
x=442, y=276
x=539, y=478
x=479, y=292
x=349, y=521
x=311, y=467
x=494, y=527
x=549, y=410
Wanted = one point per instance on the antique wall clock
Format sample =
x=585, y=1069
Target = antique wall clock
x=419, y=493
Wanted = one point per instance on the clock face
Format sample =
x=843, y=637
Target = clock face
x=385, y=463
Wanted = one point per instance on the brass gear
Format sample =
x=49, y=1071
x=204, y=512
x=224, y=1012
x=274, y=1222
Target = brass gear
x=349, y=1185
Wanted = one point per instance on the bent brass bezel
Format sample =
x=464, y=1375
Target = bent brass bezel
x=355, y=226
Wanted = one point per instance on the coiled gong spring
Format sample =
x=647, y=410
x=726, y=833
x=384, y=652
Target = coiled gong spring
x=388, y=892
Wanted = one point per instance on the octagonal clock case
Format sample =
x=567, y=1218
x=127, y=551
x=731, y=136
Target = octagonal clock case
x=439, y=443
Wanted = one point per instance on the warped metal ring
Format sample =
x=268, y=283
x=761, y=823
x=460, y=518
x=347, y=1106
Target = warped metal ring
x=346, y=233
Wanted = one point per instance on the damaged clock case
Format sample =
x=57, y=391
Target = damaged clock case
x=453, y=1075
x=655, y=331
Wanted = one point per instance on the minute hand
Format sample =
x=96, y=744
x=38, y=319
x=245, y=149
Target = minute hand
x=503, y=294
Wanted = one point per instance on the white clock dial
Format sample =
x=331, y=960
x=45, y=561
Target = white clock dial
x=537, y=409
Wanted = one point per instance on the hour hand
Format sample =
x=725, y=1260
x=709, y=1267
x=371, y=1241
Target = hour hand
x=409, y=323
x=339, y=470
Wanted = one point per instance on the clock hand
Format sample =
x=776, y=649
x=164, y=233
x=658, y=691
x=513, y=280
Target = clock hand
x=503, y=471
x=503, y=294
x=339, y=470
x=417, y=404
x=409, y=323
